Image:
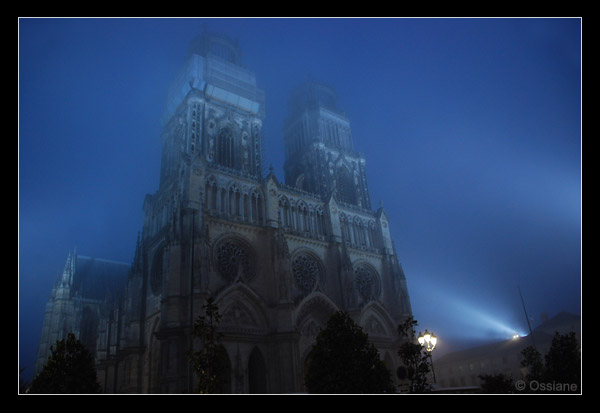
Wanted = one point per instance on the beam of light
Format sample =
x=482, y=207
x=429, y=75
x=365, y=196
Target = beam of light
x=483, y=324
x=466, y=317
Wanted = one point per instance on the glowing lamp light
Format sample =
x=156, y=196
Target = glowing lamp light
x=427, y=340
x=433, y=341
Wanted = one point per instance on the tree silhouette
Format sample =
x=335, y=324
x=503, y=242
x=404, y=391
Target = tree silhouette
x=415, y=359
x=69, y=369
x=343, y=360
x=211, y=361
x=560, y=372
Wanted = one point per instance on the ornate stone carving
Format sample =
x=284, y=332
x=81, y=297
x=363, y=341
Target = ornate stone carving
x=238, y=316
x=310, y=330
x=374, y=327
x=367, y=283
x=306, y=272
x=235, y=261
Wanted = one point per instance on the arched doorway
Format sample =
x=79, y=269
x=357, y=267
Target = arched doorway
x=257, y=372
x=224, y=373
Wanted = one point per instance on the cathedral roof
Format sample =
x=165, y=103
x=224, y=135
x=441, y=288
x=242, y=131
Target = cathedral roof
x=96, y=278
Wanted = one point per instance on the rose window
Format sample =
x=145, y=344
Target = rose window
x=306, y=272
x=233, y=259
x=367, y=283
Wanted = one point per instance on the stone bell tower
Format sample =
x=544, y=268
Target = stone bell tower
x=319, y=151
x=277, y=258
x=209, y=175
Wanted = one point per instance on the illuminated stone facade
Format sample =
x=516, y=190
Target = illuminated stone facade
x=278, y=258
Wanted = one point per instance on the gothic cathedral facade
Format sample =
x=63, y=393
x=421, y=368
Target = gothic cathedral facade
x=278, y=258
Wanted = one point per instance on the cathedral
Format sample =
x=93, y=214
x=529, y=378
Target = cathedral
x=278, y=257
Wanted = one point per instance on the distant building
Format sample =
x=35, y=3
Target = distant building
x=279, y=258
x=83, y=301
x=462, y=368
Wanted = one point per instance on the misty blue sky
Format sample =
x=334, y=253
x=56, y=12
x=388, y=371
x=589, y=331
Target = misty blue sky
x=471, y=129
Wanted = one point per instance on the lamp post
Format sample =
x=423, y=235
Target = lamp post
x=428, y=341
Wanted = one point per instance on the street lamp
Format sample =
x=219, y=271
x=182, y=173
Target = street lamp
x=428, y=341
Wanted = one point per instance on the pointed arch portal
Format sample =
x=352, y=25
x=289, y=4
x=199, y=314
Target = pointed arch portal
x=257, y=372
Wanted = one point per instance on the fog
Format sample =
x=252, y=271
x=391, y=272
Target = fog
x=471, y=130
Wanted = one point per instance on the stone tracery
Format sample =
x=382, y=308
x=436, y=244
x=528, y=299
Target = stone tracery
x=367, y=282
x=306, y=272
x=235, y=260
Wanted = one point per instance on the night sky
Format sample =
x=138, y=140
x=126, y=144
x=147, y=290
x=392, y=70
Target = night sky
x=471, y=130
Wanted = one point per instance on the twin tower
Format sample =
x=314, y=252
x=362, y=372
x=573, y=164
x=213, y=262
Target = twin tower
x=279, y=258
